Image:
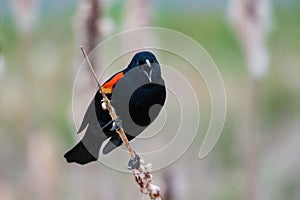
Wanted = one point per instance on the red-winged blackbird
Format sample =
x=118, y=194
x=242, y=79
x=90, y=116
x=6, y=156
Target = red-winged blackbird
x=134, y=93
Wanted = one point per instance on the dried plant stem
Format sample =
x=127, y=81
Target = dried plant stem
x=88, y=20
x=120, y=131
x=142, y=174
x=111, y=110
x=252, y=21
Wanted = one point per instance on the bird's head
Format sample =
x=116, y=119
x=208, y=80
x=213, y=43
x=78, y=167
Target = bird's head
x=147, y=62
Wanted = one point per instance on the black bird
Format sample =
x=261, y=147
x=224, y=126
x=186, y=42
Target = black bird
x=137, y=93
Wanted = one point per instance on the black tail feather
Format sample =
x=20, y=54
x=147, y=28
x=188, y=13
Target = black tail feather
x=79, y=154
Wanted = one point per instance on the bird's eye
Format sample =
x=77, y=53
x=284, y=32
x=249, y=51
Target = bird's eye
x=152, y=60
x=140, y=62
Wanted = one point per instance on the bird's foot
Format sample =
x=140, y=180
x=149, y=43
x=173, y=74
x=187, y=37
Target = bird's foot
x=134, y=163
x=117, y=124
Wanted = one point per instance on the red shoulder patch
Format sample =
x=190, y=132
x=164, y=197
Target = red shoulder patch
x=108, y=85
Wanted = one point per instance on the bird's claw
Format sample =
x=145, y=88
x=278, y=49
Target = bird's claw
x=117, y=124
x=134, y=163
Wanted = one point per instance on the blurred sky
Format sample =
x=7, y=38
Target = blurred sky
x=59, y=5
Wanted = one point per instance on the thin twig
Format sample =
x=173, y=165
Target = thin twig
x=111, y=110
x=142, y=174
x=91, y=67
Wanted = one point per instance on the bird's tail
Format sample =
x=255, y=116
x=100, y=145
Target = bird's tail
x=80, y=154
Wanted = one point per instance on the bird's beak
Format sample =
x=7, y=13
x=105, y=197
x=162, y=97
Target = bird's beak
x=148, y=62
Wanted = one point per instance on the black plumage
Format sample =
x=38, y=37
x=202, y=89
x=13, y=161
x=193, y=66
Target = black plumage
x=137, y=93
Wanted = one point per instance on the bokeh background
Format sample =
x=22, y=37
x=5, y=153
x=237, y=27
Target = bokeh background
x=257, y=156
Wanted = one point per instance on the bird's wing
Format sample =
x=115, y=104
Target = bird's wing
x=108, y=86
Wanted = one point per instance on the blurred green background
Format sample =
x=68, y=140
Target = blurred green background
x=36, y=126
